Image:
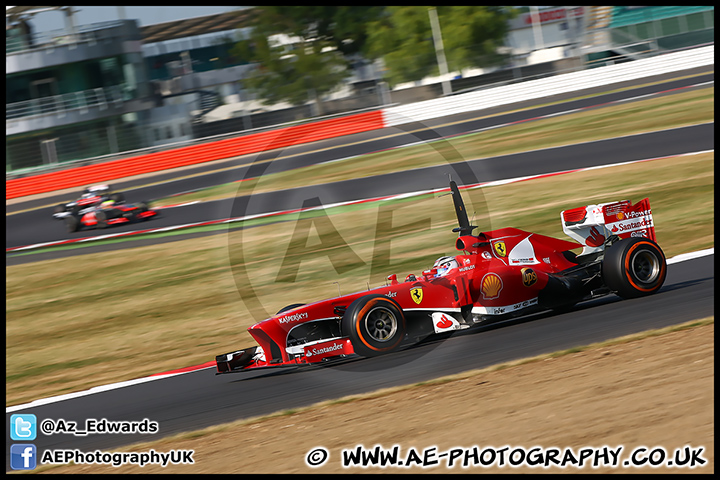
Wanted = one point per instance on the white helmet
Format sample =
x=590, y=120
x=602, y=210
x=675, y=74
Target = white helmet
x=444, y=265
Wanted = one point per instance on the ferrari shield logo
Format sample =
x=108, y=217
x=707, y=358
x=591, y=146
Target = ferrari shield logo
x=416, y=294
x=500, y=249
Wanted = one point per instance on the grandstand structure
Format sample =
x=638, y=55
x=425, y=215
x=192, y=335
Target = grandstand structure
x=91, y=93
x=95, y=91
x=621, y=33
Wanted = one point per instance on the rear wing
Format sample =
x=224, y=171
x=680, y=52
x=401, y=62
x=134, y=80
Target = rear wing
x=593, y=224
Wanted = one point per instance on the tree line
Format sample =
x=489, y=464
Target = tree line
x=304, y=52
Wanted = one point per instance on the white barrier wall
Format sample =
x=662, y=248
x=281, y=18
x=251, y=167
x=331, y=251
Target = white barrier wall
x=549, y=86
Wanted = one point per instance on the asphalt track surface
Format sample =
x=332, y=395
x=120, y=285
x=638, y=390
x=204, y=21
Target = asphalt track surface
x=199, y=399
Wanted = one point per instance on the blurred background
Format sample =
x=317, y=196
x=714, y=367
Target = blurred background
x=91, y=84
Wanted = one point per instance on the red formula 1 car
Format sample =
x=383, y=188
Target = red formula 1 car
x=98, y=207
x=496, y=275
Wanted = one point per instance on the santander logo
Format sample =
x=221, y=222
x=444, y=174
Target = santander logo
x=595, y=239
x=319, y=351
x=444, y=322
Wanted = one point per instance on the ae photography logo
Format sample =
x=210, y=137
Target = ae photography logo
x=507, y=457
x=324, y=252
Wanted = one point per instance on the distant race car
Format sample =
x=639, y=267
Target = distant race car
x=99, y=207
x=497, y=275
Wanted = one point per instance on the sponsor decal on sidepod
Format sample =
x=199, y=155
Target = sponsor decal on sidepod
x=293, y=318
x=319, y=351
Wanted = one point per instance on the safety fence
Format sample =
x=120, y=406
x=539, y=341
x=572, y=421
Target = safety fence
x=549, y=86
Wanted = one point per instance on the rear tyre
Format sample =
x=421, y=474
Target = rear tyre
x=375, y=325
x=634, y=267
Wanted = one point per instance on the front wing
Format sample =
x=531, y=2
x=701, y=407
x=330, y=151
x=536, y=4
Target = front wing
x=254, y=358
x=312, y=352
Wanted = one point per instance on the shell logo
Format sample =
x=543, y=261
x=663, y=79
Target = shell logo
x=491, y=286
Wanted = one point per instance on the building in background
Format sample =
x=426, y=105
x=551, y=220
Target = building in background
x=86, y=93
x=79, y=88
x=546, y=34
x=89, y=91
x=629, y=32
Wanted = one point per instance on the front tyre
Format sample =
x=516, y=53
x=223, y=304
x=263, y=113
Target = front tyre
x=375, y=325
x=634, y=267
x=289, y=307
x=72, y=224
